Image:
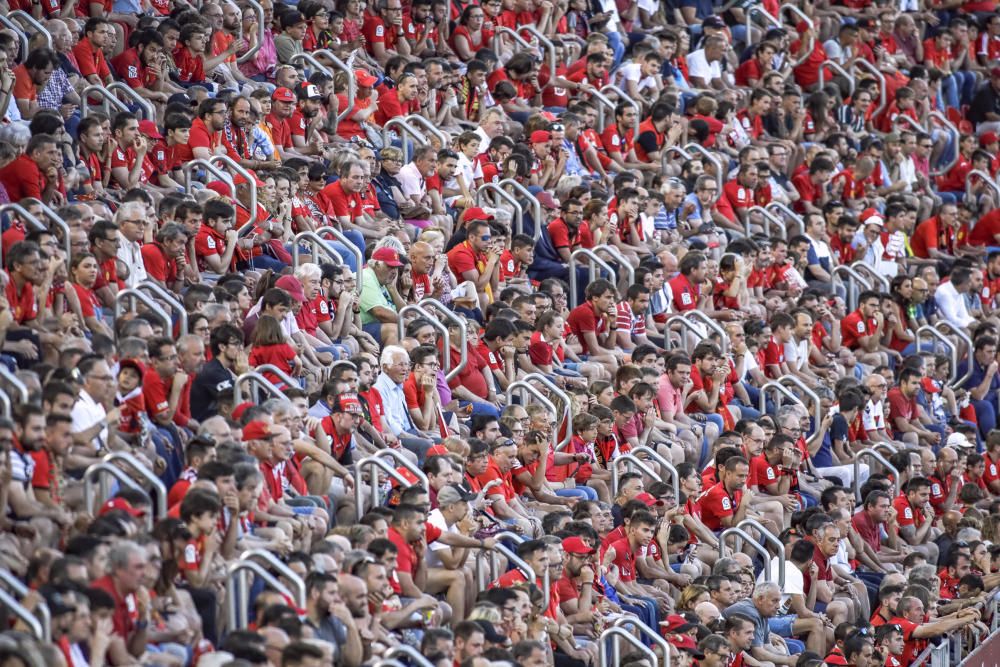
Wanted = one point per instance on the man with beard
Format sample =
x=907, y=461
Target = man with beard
x=302, y=124
x=326, y=613
x=35, y=173
x=164, y=258
x=205, y=139
x=140, y=67
x=279, y=122
x=236, y=135
x=29, y=440
x=130, y=164
x=31, y=78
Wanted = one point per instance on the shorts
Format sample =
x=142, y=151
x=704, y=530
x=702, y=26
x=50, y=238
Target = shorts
x=781, y=625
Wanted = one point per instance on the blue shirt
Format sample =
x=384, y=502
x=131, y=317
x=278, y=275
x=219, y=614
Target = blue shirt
x=977, y=377
x=394, y=401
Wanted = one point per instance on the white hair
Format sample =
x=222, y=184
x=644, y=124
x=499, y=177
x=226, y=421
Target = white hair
x=391, y=242
x=391, y=352
x=308, y=270
x=766, y=588
x=130, y=208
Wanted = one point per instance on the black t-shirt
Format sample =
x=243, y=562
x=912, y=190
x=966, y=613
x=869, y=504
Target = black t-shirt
x=213, y=379
x=986, y=101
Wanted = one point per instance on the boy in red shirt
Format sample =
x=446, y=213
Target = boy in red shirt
x=200, y=512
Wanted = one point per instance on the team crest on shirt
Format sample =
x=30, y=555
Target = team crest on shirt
x=908, y=513
x=770, y=473
x=379, y=31
x=861, y=327
x=133, y=72
x=935, y=489
x=210, y=242
x=190, y=554
x=726, y=505
x=993, y=469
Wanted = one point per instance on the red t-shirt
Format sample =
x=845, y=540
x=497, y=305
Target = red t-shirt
x=22, y=178
x=281, y=133
x=24, y=304
x=190, y=68
x=585, y=319
x=852, y=328
x=129, y=68
x=90, y=60
x=340, y=203
x=493, y=472
x=282, y=356
x=158, y=265
x=716, y=504
x=624, y=559
x=408, y=560
x=126, y=613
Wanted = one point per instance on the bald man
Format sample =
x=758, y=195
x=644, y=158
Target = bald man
x=275, y=641
x=946, y=480
x=427, y=268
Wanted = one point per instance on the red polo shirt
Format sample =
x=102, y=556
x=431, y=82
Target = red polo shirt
x=585, y=318
x=339, y=203
x=22, y=178
x=90, y=60
x=716, y=504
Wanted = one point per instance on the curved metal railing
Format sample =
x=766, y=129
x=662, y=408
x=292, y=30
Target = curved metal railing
x=801, y=16
x=713, y=325
x=593, y=261
x=617, y=256
x=282, y=375
x=874, y=71
x=817, y=405
x=25, y=616
x=283, y=570
x=359, y=257
x=238, y=591
x=947, y=327
x=536, y=206
x=166, y=296
x=43, y=615
x=144, y=299
x=419, y=122
x=56, y=220
x=720, y=174
x=644, y=632
x=258, y=10
x=986, y=178
x=525, y=569
x=318, y=246
x=829, y=64
x=106, y=95
x=784, y=210
x=251, y=180
x=413, y=655
x=933, y=332
x=463, y=334
x=781, y=390
x=763, y=13
x=254, y=378
x=510, y=199
x=562, y=396
x=955, y=138
x=771, y=539
x=854, y=279
x=521, y=41
x=625, y=97
x=630, y=461
x=545, y=45
x=159, y=490
x=310, y=60
x=16, y=383
x=405, y=130
x=603, y=102
x=376, y=464
x=739, y=533
x=541, y=398
x=612, y=637
x=93, y=476
x=768, y=218
x=438, y=326
x=869, y=453
x=188, y=168
x=22, y=39
x=873, y=276
x=675, y=480
x=667, y=152
x=148, y=110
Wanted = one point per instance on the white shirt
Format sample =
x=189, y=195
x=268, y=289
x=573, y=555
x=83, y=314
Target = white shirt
x=436, y=519
x=698, y=66
x=130, y=253
x=952, y=305
x=411, y=181
x=633, y=72
x=484, y=140
x=87, y=412
x=873, y=418
x=794, y=582
x=908, y=173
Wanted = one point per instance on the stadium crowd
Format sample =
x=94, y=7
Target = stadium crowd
x=583, y=284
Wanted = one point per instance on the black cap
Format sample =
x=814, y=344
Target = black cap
x=291, y=18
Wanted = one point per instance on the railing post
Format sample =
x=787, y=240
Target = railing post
x=104, y=94
x=253, y=377
x=771, y=539
x=536, y=206
x=544, y=44
x=239, y=591
x=645, y=631
x=664, y=464
x=143, y=298
x=955, y=331
x=175, y=305
x=801, y=16
x=593, y=261
x=612, y=636
x=562, y=396
x=463, y=336
x=781, y=389
x=872, y=454
x=251, y=180
x=417, y=121
x=438, y=326
x=874, y=71
x=630, y=460
x=510, y=199
x=540, y=397
x=830, y=64
x=375, y=464
x=933, y=332
x=768, y=217
x=42, y=610
x=283, y=570
x=817, y=405
x=740, y=533
x=318, y=245
x=712, y=325
x=720, y=174
x=624, y=97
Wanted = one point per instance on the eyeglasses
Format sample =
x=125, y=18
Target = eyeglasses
x=485, y=237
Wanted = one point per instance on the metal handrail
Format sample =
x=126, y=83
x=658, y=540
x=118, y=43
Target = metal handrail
x=808, y=21
x=645, y=631
x=218, y=172
x=632, y=461
x=438, y=326
x=57, y=220
x=283, y=570
x=748, y=539
x=868, y=452
x=541, y=398
x=951, y=328
x=544, y=44
x=712, y=325
x=941, y=118
x=175, y=305
x=418, y=121
x=388, y=662
x=830, y=64
x=148, y=110
x=16, y=383
x=625, y=97
x=404, y=462
x=42, y=609
x=853, y=278
x=380, y=464
x=888, y=446
x=463, y=335
x=104, y=94
x=238, y=169
x=783, y=208
x=141, y=297
x=883, y=282
x=949, y=345
x=604, y=102
x=254, y=378
x=159, y=490
x=781, y=389
x=5, y=402
x=311, y=60
x=525, y=44
x=34, y=23
x=817, y=405
x=986, y=179
x=238, y=614
x=874, y=71
x=564, y=397
x=282, y=375
x=352, y=84
x=359, y=256
x=252, y=51
x=906, y=120
x=510, y=199
x=536, y=206
x=405, y=129
x=22, y=38
x=675, y=479
x=409, y=652
x=694, y=327
x=757, y=9
x=593, y=261
x=769, y=217
x=612, y=636
x=770, y=538
x=28, y=218
x=93, y=473
x=26, y=617
x=668, y=151
x=318, y=245
x=617, y=255
x=719, y=173
x=526, y=570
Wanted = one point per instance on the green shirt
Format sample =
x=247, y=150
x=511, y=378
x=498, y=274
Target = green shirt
x=373, y=295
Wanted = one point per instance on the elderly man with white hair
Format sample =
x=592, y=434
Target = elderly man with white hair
x=132, y=221
x=765, y=603
x=395, y=364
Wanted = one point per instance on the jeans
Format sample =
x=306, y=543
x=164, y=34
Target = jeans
x=262, y=262
x=581, y=492
x=986, y=414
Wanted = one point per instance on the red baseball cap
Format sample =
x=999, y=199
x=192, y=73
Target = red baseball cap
x=241, y=408
x=676, y=623
x=476, y=213
x=139, y=367
x=541, y=137
x=292, y=285
x=120, y=504
x=686, y=643
x=257, y=430
x=283, y=95
x=930, y=386
x=364, y=79
x=988, y=138
x=148, y=128
x=239, y=179
x=576, y=545
x=220, y=187
x=387, y=255
x=648, y=499
x=347, y=402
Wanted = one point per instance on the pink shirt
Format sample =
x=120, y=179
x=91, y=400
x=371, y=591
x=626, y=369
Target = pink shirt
x=264, y=61
x=668, y=397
